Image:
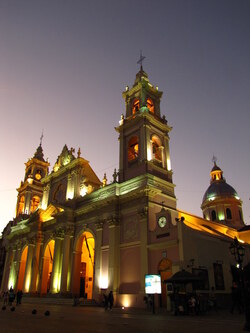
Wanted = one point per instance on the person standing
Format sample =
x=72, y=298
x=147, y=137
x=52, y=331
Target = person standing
x=111, y=299
x=236, y=298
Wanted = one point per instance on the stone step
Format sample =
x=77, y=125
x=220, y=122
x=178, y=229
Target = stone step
x=59, y=300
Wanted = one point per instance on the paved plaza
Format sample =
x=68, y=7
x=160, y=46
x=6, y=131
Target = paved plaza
x=66, y=318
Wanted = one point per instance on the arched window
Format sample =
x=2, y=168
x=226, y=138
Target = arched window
x=28, y=173
x=136, y=106
x=229, y=214
x=34, y=203
x=156, y=144
x=213, y=215
x=150, y=105
x=21, y=206
x=133, y=148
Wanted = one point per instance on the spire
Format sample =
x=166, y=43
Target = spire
x=39, y=153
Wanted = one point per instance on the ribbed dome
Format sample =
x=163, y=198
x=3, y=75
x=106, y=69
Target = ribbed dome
x=219, y=189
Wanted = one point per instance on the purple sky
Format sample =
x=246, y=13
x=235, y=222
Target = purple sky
x=64, y=65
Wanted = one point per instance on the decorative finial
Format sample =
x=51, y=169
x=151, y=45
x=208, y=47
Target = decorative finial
x=104, y=180
x=115, y=175
x=79, y=152
x=214, y=159
x=141, y=60
x=41, y=138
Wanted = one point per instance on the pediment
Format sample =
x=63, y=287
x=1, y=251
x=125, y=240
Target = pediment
x=50, y=212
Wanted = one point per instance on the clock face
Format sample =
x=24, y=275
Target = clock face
x=162, y=221
x=38, y=176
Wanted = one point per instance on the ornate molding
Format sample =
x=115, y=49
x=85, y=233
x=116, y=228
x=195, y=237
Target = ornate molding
x=113, y=221
x=32, y=241
x=59, y=233
x=69, y=231
x=18, y=244
x=99, y=225
x=39, y=237
x=143, y=212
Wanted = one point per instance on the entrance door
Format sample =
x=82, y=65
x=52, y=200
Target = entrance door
x=82, y=286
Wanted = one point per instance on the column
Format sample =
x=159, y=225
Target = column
x=167, y=155
x=27, y=202
x=19, y=284
x=57, y=262
x=28, y=269
x=70, y=187
x=114, y=253
x=45, y=199
x=7, y=266
x=35, y=266
x=143, y=249
x=77, y=181
x=75, y=280
x=161, y=148
x=98, y=258
x=66, y=249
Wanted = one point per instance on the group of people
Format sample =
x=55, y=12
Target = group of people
x=183, y=303
x=108, y=300
x=9, y=297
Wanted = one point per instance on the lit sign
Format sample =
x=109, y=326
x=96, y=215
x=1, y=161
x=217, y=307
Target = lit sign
x=152, y=284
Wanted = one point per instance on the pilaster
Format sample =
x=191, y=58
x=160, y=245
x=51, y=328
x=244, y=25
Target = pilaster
x=98, y=257
x=35, y=266
x=66, y=249
x=114, y=253
x=143, y=218
x=57, y=261
x=28, y=269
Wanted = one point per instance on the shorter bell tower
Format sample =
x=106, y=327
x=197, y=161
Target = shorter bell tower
x=31, y=189
x=143, y=132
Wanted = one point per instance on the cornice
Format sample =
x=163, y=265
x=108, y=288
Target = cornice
x=76, y=163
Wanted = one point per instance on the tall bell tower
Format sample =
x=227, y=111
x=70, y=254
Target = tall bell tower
x=31, y=189
x=144, y=133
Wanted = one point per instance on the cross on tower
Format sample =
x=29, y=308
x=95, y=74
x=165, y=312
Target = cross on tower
x=41, y=138
x=214, y=159
x=141, y=60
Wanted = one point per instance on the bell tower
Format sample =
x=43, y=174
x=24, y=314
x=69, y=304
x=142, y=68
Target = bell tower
x=31, y=189
x=143, y=132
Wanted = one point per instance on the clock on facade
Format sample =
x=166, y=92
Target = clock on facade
x=162, y=221
x=38, y=176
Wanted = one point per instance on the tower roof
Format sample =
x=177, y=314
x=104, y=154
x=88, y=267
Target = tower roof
x=141, y=75
x=39, y=153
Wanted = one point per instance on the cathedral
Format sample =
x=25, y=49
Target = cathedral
x=75, y=235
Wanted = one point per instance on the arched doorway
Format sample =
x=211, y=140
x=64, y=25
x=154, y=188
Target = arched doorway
x=165, y=270
x=84, y=256
x=22, y=267
x=47, y=267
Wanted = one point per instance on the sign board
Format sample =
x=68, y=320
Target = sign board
x=152, y=284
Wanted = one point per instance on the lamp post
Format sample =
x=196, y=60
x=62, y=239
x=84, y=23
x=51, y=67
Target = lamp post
x=238, y=251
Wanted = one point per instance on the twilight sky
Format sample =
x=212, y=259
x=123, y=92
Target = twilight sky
x=64, y=65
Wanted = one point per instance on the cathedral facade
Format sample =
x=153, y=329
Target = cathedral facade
x=75, y=235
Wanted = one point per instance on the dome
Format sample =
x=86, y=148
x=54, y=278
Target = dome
x=219, y=189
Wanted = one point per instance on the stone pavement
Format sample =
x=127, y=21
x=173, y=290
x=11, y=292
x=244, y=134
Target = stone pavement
x=66, y=318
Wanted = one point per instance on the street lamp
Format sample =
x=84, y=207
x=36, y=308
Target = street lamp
x=238, y=251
